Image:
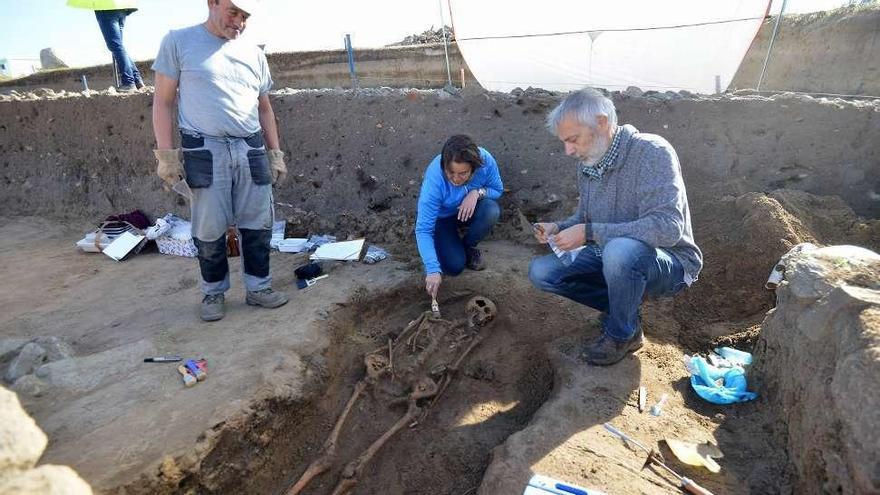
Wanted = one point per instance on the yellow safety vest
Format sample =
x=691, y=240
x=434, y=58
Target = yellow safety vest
x=103, y=4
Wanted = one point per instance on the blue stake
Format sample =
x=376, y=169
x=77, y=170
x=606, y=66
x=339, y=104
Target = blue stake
x=354, y=79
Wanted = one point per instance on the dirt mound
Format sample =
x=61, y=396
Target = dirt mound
x=428, y=36
x=742, y=238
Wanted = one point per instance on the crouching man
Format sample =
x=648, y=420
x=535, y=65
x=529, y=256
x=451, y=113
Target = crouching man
x=632, y=223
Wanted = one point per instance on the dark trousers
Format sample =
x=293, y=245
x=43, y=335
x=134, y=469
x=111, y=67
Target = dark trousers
x=112, y=22
x=450, y=246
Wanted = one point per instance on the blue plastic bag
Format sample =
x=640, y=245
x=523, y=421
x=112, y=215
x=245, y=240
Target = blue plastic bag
x=731, y=389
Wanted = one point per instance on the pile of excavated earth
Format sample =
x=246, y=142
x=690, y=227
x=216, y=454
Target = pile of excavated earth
x=314, y=391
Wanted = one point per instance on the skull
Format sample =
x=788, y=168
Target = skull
x=480, y=311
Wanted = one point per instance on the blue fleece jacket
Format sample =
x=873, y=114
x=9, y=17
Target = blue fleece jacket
x=440, y=198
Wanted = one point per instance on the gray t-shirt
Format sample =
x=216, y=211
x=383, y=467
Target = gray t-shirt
x=219, y=81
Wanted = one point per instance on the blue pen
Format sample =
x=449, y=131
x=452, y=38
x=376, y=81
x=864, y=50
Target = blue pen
x=571, y=489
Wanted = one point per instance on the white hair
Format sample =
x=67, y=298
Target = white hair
x=584, y=105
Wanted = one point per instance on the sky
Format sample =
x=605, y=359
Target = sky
x=283, y=25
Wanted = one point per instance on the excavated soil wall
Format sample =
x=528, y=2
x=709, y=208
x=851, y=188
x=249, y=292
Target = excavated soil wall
x=420, y=66
x=825, y=52
x=356, y=154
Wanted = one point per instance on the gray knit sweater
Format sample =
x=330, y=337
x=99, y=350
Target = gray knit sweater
x=640, y=196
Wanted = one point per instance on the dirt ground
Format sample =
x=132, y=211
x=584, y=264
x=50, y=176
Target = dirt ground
x=522, y=403
x=114, y=416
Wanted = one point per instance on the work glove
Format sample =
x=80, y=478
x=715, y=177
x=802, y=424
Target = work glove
x=276, y=164
x=169, y=168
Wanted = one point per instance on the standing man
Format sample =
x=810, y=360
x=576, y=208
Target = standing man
x=632, y=220
x=111, y=16
x=229, y=139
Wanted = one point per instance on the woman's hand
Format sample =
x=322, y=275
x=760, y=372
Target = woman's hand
x=432, y=284
x=468, y=205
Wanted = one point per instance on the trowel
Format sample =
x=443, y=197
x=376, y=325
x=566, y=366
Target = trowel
x=435, y=307
x=695, y=454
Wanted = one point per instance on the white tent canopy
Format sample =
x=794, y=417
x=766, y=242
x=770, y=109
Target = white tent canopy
x=563, y=45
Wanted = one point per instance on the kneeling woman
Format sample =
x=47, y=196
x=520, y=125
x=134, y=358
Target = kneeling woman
x=459, y=190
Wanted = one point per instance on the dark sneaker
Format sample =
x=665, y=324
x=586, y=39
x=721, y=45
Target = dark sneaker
x=606, y=351
x=266, y=298
x=139, y=83
x=212, y=307
x=474, y=259
x=127, y=88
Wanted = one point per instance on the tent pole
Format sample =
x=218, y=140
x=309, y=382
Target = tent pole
x=772, y=39
x=445, y=46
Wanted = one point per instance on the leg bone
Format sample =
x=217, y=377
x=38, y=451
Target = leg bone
x=328, y=450
x=354, y=469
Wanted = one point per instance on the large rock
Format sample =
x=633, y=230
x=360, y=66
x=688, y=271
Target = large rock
x=10, y=346
x=45, y=480
x=85, y=373
x=22, y=443
x=49, y=60
x=56, y=348
x=21, y=440
x=819, y=359
x=31, y=356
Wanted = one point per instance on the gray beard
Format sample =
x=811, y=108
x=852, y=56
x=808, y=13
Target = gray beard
x=597, y=152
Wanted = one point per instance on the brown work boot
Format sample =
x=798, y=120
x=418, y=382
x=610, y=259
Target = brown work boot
x=474, y=259
x=606, y=351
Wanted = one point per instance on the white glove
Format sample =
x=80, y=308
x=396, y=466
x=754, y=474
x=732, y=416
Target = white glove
x=169, y=169
x=277, y=166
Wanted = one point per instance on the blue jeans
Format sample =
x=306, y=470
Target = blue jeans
x=111, y=23
x=614, y=282
x=451, y=248
x=231, y=184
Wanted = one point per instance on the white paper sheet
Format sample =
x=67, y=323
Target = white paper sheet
x=345, y=251
x=122, y=245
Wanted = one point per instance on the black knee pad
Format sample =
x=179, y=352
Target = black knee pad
x=255, y=251
x=212, y=259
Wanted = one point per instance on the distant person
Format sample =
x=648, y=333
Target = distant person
x=459, y=191
x=229, y=138
x=111, y=16
x=632, y=221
